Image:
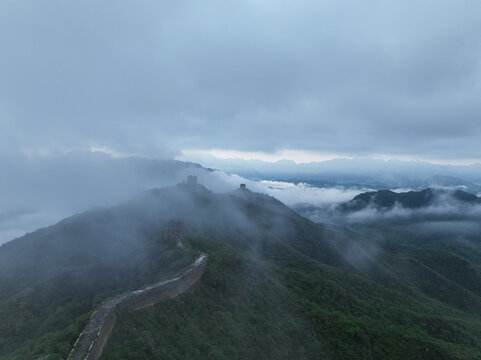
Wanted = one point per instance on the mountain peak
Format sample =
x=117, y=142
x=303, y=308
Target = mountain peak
x=387, y=199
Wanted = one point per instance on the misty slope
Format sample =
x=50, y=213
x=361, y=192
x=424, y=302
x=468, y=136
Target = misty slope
x=387, y=199
x=55, y=275
x=40, y=191
x=277, y=285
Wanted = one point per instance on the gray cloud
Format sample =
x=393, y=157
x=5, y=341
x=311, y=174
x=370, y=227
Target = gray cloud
x=401, y=77
x=154, y=78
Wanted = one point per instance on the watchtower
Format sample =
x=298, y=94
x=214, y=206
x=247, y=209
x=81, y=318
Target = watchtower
x=191, y=180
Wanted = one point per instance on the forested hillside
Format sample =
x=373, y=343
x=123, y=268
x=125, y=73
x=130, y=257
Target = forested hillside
x=277, y=286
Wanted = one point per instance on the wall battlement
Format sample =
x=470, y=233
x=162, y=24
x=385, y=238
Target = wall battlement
x=94, y=337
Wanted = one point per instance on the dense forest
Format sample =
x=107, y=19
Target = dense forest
x=277, y=286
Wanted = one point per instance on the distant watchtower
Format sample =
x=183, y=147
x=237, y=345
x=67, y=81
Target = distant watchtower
x=243, y=187
x=191, y=180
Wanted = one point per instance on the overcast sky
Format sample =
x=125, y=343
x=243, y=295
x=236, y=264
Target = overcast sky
x=350, y=78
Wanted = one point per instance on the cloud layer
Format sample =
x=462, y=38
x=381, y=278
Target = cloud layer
x=398, y=77
x=40, y=191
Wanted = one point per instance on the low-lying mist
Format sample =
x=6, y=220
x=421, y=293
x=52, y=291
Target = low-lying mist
x=445, y=215
x=302, y=193
x=40, y=191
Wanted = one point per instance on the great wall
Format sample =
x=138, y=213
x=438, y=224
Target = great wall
x=94, y=337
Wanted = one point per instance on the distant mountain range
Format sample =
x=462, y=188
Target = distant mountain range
x=387, y=199
x=361, y=173
x=42, y=190
x=380, y=183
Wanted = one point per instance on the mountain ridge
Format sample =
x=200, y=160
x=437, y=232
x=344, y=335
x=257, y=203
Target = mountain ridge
x=277, y=285
x=387, y=199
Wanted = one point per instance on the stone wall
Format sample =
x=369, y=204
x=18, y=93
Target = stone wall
x=94, y=337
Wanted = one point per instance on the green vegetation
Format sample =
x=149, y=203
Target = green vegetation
x=281, y=304
x=277, y=286
x=387, y=199
x=47, y=318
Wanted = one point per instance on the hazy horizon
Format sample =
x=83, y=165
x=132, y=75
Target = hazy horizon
x=207, y=82
x=43, y=189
